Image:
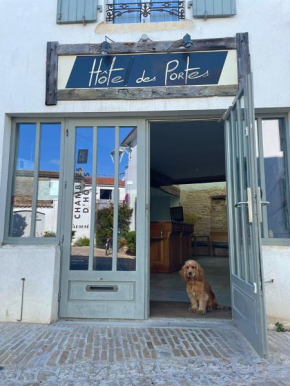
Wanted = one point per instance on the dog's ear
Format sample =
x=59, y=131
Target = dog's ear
x=182, y=273
x=199, y=273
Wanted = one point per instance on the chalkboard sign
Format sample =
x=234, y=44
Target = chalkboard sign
x=146, y=70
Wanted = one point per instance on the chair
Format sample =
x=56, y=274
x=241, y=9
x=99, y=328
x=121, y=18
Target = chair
x=201, y=243
x=218, y=240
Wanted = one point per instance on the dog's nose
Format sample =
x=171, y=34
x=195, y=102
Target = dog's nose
x=189, y=273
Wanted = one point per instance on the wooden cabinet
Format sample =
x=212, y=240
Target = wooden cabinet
x=170, y=245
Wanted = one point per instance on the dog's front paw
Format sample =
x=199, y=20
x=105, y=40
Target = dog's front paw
x=192, y=309
x=201, y=312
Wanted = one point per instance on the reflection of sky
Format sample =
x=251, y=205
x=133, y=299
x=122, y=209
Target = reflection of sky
x=26, y=146
x=50, y=148
x=106, y=144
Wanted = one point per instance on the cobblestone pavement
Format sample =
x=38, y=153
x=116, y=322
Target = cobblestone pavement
x=67, y=353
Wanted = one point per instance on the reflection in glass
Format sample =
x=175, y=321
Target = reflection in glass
x=239, y=194
x=168, y=15
x=277, y=190
x=82, y=194
x=104, y=216
x=48, y=180
x=127, y=199
x=21, y=208
x=132, y=12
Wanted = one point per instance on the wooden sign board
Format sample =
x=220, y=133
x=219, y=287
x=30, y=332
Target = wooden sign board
x=79, y=72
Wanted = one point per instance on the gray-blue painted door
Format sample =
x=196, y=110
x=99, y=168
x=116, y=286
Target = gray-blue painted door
x=244, y=220
x=103, y=254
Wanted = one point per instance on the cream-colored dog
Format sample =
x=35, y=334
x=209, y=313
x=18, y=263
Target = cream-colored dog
x=199, y=291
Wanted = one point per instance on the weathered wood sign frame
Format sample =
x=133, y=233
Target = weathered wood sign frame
x=239, y=43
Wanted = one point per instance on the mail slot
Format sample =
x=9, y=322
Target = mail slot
x=102, y=288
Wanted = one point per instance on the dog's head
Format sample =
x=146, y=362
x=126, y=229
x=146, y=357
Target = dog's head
x=191, y=271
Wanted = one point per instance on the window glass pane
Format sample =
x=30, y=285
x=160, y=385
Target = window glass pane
x=48, y=180
x=106, y=194
x=127, y=200
x=104, y=217
x=164, y=11
x=276, y=181
x=128, y=11
x=20, y=222
x=81, y=216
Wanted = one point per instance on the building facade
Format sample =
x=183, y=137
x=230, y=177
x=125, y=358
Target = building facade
x=67, y=110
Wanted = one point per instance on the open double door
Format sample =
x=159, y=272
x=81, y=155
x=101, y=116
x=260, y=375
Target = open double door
x=244, y=219
x=100, y=282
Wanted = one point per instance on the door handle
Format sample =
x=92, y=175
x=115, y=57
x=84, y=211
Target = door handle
x=260, y=204
x=248, y=203
x=239, y=204
x=265, y=203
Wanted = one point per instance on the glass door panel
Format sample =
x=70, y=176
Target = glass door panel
x=105, y=275
x=82, y=196
x=243, y=219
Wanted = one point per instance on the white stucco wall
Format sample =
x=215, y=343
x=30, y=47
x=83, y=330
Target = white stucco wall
x=40, y=266
x=276, y=263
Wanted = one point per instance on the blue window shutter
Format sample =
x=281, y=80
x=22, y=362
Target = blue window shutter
x=213, y=8
x=76, y=11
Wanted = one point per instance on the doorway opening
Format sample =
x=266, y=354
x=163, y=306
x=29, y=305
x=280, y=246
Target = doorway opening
x=188, y=215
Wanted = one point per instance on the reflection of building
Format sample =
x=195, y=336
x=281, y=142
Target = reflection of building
x=47, y=203
x=131, y=174
x=82, y=202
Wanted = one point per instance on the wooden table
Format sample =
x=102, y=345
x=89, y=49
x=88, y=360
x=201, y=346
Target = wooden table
x=170, y=245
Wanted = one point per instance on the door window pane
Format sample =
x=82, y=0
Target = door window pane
x=276, y=179
x=21, y=208
x=104, y=215
x=82, y=192
x=48, y=180
x=127, y=199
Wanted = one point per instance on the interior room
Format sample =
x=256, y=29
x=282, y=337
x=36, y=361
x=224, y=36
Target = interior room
x=188, y=215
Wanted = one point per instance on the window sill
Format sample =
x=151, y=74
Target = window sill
x=41, y=242
x=276, y=242
x=104, y=28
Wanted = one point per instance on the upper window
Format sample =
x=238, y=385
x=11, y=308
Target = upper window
x=132, y=11
x=141, y=11
x=35, y=182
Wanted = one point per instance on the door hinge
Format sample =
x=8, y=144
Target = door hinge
x=65, y=184
x=59, y=16
x=59, y=296
x=66, y=131
x=246, y=131
x=62, y=239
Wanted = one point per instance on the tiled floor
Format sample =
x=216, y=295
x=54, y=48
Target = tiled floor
x=171, y=288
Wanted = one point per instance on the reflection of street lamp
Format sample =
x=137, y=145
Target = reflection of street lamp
x=122, y=150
